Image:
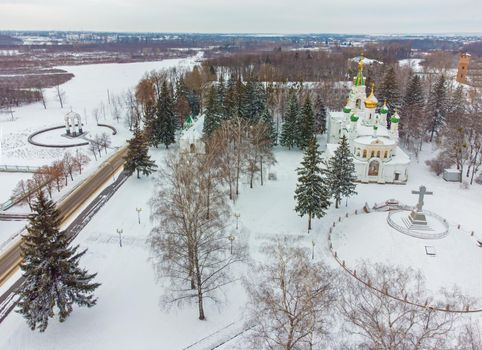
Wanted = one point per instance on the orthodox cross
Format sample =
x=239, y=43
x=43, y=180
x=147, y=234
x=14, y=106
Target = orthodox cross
x=421, y=193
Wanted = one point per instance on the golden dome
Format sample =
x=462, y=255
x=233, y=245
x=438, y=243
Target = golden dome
x=371, y=101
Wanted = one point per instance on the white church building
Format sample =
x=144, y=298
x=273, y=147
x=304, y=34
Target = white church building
x=377, y=156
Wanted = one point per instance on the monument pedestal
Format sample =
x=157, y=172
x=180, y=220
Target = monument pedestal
x=417, y=218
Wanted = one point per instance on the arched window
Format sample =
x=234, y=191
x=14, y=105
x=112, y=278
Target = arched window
x=192, y=148
x=358, y=103
x=373, y=154
x=364, y=153
x=378, y=154
x=386, y=154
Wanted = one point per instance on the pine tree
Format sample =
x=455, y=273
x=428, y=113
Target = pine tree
x=267, y=118
x=320, y=115
x=390, y=91
x=341, y=172
x=137, y=158
x=288, y=129
x=305, y=124
x=54, y=282
x=311, y=194
x=165, y=125
x=437, y=106
x=221, y=94
x=212, y=116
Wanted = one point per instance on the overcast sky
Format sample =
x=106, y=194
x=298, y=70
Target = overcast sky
x=246, y=16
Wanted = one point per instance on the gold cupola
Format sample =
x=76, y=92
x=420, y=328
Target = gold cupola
x=371, y=101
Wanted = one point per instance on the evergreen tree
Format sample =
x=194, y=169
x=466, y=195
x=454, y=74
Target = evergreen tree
x=305, y=124
x=456, y=109
x=54, y=282
x=412, y=112
x=320, y=115
x=390, y=91
x=230, y=98
x=137, y=158
x=212, y=116
x=241, y=102
x=288, y=129
x=311, y=194
x=267, y=118
x=221, y=94
x=437, y=106
x=165, y=124
x=341, y=172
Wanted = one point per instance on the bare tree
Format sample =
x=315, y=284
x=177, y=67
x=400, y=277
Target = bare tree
x=23, y=191
x=69, y=166
x=190, y=248
x=93, y=148
x=116, y=108
x=57, y=173
x=41, y=93
x=80, y=160
x=290, y=299
x=470, y=337
x=104, y=141
x=96, y=114
x=60, y=95
x=385, y=323
x=258, y=151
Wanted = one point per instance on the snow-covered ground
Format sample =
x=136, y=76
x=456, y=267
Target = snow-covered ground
x=128, y=315
x=90, y=88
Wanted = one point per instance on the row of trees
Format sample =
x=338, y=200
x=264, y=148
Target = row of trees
x=319, y=181
x=295, y=303
x=49, y=177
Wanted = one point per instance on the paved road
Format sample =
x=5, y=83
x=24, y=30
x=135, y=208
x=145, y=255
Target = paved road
x=8, y=300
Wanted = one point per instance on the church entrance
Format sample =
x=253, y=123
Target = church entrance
x=373, y=168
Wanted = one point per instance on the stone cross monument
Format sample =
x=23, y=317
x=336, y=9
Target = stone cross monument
x=417, y=217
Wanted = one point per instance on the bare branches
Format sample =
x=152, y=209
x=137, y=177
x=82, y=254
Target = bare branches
x=189, y=240
x=289, y=300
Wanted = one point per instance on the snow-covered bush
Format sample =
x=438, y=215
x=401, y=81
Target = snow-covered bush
x=438, y=164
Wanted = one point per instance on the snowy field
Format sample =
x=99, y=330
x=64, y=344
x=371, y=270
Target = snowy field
x=90, y=88
x=128, y=314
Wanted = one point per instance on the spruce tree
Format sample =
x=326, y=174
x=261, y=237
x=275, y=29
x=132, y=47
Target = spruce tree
x=288, y=129
x=412, y=112
x=137, y=158
x=305, y=124
x=437, y=106
x=390, y=91
x=341, y=172
x=230, y=98
x=212, y=116
x=320, y=115
x=267, y=118
x=54, y=282
x=312, y=195
x=165, y=126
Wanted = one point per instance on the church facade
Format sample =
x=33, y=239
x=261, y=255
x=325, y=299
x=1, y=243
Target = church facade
x=375, y=150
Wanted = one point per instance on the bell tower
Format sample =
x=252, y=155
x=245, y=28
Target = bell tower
x=464, y=61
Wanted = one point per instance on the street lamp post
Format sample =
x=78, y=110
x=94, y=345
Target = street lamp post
x=119, y=232
x=312, y=250
x=139, y=214
x=231, y=239
x=237, y=215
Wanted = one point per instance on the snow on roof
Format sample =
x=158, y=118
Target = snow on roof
x=370, y=140
x=365, y=60
x=195, y=132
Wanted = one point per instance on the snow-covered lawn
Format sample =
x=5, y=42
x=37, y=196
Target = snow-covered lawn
x=8, y=181
x=128, y=315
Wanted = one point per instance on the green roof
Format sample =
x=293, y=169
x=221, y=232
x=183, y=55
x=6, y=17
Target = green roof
x=395, y=118
x=346, y=109
x=383, y=110
x=354, y=117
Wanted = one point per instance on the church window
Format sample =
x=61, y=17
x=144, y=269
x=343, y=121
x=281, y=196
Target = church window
x=386, y=154
x=378, y=154
x=373, y=154
x=358, y=103
x=364, y=153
